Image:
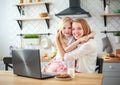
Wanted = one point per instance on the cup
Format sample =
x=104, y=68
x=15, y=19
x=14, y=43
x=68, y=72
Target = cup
x=71, y=68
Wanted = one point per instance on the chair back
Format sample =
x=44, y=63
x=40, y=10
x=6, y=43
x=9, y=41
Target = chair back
x=99, y=65
x=8, y=62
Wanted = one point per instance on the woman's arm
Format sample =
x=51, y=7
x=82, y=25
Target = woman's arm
x=87, y=48
x=74, y=44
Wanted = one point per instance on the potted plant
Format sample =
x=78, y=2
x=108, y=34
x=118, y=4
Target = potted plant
x=117, y=36
x=31, y=39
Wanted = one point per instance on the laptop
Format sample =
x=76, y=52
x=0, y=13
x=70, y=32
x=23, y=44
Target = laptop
x=26, y=62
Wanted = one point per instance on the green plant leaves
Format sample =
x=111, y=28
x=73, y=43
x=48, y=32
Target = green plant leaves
x=31, y=36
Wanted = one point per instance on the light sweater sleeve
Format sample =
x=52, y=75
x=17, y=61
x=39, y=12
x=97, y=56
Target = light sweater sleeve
x=85, y=54
x=85, y=49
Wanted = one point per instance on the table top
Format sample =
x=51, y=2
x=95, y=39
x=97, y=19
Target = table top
x=8, y=78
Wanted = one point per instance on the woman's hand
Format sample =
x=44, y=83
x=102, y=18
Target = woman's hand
x=87, y=37
x=83, y=39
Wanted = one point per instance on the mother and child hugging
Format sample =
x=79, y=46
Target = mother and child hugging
x=74, y=42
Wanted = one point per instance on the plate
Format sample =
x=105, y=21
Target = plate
x=63, y=79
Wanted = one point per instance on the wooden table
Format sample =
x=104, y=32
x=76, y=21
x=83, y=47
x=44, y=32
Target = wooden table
x=8, y=78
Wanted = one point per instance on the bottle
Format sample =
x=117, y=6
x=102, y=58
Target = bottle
x=107, y=9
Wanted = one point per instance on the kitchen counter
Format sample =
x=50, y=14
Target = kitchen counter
x=8, y=78
x=111, y=59
x=111, y=70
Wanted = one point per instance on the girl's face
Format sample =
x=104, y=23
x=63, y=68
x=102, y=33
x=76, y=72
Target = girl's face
x=77, y=30
x=67, y=30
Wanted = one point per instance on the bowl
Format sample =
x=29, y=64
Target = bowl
x=43, y=14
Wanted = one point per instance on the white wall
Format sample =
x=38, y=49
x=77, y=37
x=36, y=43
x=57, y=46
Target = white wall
x=9, y=27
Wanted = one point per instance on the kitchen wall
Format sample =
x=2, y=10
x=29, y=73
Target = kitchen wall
x=9, y=28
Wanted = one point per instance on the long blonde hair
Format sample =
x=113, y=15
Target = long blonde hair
x=64, y=21
x=84, y=24
x=62, y=24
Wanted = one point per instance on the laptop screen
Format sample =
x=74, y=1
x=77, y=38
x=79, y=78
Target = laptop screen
x=26, y=62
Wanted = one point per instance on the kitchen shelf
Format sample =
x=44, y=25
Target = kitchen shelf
x=19, y=6
x=109, y=14
x=19, y=20
x=32, y=18
x=36, y=33
x=33, y=3
x=108, y=31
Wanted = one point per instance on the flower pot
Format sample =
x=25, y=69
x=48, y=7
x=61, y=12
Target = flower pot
x=31, y=41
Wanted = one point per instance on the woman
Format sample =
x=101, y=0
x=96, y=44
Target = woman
x=85, y=53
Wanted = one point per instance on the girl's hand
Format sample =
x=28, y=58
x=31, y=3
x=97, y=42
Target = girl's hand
x=62, y=58
x=59, y=33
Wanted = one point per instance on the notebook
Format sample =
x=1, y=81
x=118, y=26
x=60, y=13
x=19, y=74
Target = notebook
x=26, y=62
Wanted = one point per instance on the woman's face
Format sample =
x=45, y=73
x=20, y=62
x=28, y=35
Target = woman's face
x=77, y=30
x=67, y=29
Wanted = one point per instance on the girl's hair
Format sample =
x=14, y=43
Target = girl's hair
x=62, y=24
x=84, y=24
x=64, y=21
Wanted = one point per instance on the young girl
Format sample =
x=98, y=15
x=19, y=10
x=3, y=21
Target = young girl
x=67, y=41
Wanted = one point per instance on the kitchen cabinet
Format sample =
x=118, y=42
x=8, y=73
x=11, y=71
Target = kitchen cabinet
x=108, y=14
x=20, y=7
x=111, y=72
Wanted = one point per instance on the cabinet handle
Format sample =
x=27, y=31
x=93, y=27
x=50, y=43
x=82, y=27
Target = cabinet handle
x=110, y=67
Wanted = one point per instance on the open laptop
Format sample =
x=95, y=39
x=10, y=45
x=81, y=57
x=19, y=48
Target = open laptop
x=26, y=62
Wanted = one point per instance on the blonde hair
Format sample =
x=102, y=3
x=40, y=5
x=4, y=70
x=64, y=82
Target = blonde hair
x=84, y=24
x=64, y=21
x=62, y=24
